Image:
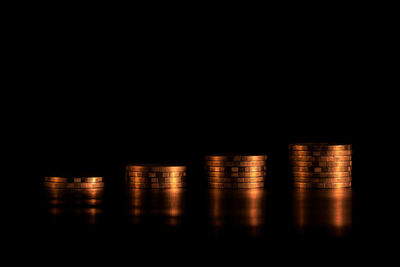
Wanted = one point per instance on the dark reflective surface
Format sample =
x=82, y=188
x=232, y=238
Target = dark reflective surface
x=242, y=209
x=324, y=211
x=74, y=206
x=227, y=212
x=156, y=206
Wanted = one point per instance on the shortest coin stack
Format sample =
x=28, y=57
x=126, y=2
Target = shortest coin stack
x=155, y=176
x=320, y=165
x=73, y=182
x=236, y=171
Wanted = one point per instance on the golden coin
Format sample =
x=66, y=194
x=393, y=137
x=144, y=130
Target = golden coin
x=236, y=163
x=236, y=174
x=73, y=185
x=156, y=180
x=88, y=179
x=236, y=185
x=322, y=180
x=321, y=174
x=320, y=169
x=236, y=169
x=319, y=159
x=156, y=174
x=321, y=163
x=321, y=153
x=155, y=168
x=236, y=158
x=321, y=185
x=157, y=185
x=319, y=146
x=56, y=179
x=235, y=179
x=74, y=180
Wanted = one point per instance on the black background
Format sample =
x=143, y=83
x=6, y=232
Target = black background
x=105, y=92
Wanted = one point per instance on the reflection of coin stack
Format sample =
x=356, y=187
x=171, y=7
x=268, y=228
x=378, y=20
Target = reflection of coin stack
x=157, y=206
x=236, y=171
x=327, y=210
x=155, y=176
x=74, y=183
x=320, y=165
x=81, y=197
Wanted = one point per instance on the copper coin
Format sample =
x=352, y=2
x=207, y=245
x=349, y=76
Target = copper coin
x=155, y=168
x=322, y=158
x=236, y=158
x=321, y=153
x=73, y=185
x=321, y=185
x=156, y=174
x=236, y=174
x=321, y=174
x=322, y=180
x=321, y=163
x=320, y=169
x=156, y=180
x=236, y=163
x=56, y=179
x=235, y=179
x=236, y=185
x=319, y=146
x=236, y=169
x=88, y=179
x=156, y=185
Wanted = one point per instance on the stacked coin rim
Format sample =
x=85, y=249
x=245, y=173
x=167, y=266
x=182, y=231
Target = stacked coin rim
x=320, y=165
x=232, y=171
x=58, y=182
x=155, y=176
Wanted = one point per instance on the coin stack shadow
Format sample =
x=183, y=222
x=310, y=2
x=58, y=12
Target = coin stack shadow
x=80, y=197
x=236, y=171
x=320, y=165
x=155, y=176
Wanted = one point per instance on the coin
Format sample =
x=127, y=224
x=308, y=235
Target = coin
x=235, y=179
x=319, y=146
x=322, y=158
x=322, y=180
x=321, y=185
x=236, y=163
x=236, y=169
x=236, y=158
x=155, y=168
x=56, y=179
x=73, y=185
x=74, y=179
x=321, y=153
x=236, y=174
x=156, y=180
x=320, y=169
x=157, y=185
x=156, y=174
x=321, y=163
x=236, y=185
x=321, y=174
x=88, y=179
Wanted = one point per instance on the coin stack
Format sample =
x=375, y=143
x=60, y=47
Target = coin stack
x=320, y=165
x=155, y=176
x=236, y=171
x=73, y=183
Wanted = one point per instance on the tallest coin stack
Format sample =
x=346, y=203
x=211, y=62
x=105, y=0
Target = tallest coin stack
x=320, y=165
